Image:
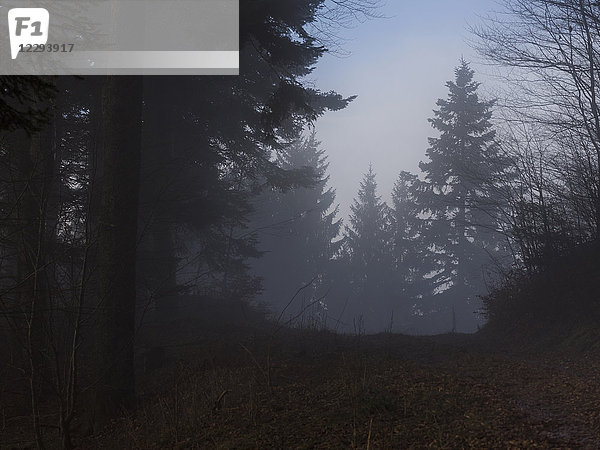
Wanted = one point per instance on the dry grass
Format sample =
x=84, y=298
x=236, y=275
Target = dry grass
x=245, y=387
x=371, y=392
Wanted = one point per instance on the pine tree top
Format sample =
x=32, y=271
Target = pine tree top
x=368, y=210
x=466, y=132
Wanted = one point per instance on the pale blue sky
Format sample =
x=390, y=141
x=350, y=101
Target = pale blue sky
x=398, y=67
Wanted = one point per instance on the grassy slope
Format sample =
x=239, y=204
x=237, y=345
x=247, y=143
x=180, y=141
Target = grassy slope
x=242, y=385
x=318, y=390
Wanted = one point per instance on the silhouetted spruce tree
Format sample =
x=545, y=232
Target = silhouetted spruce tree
x=299, y=231
x=411, y=259
x=366, y=246
x=461, y=175
x=203, y=132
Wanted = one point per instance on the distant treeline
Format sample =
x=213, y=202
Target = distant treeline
x=497, y=202
x=416, y=265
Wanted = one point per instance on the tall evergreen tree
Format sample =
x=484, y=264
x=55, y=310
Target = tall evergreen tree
x=366, y=247
x=458, y=194
x=201, y=133
x=411, y=261
x=299, y=229
x=318, y=221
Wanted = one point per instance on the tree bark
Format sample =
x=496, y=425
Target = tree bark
x=117, y=238
x=158, y=186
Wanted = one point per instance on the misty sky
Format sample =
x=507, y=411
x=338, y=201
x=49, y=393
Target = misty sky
x=398, y=67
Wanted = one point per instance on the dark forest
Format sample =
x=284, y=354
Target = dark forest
x=175, y=271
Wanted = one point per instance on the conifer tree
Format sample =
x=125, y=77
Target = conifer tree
x=411, y=261
x=366, y=247
x=404, y=224
x=299, y=228
x=318, y=221
x=458, y=194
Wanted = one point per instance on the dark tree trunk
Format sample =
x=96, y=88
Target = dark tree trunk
x=117, y=238
x=34, y=167
x=160, y=177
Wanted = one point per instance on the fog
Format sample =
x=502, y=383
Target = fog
x=398, y=66
x=381, y=232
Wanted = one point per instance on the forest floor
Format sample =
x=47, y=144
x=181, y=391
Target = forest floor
x=309, y=389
